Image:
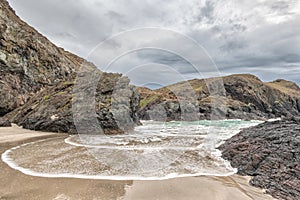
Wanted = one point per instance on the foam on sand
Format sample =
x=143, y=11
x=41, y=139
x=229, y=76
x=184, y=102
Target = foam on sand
x=147, y=154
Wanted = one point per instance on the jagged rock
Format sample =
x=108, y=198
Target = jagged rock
x=4, y=122
x=51, y=109
x=29, y=62
x=37, y=87
x=243, y=96
x=270, y=152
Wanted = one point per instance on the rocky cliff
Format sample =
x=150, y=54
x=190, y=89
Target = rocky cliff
x=29, y=62
x=51, y=109
x=241, y=96
x=37, y=80
x=270, y=152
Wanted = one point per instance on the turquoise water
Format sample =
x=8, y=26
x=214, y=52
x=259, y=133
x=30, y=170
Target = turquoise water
x=216, y=123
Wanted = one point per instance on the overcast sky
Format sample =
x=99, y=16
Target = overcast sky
x=261, y=37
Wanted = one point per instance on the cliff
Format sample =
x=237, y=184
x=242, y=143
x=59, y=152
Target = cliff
x=29, y=62
x=37, y=79
x=244, y=96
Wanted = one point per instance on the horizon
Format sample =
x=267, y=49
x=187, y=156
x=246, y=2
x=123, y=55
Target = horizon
x=231, y=38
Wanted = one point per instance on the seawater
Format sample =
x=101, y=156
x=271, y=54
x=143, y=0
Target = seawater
x=153, y=151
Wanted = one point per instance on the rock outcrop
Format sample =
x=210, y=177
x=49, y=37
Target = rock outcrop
x=37, y=83
x=4, y=122
x=270, y=152
x=29, y=62
x=51, y=110
x=240, y=96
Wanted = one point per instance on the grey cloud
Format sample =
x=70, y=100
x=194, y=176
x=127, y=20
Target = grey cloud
x=207, y=11
x=260, y=37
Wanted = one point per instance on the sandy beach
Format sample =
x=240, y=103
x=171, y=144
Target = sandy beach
x=16, y=185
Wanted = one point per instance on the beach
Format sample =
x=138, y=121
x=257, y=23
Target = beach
x=16, y=185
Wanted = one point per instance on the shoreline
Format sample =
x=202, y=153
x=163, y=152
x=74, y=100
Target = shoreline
x=16, y=185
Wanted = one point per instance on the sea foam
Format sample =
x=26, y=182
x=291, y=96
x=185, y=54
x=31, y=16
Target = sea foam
x=154, y=151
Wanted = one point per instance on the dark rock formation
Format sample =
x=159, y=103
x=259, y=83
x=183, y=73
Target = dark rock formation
x=51, y=109
x=37, y=84
x=270, y=152
x=29, y=62
x=269, y=100
x=240, y=96
x=4, y=122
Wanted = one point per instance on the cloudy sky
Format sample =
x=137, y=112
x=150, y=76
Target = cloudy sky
x=261, y=37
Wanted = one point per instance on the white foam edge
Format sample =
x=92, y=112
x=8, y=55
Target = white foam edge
x=5, y=158
x=67, y=141
x=274, y=119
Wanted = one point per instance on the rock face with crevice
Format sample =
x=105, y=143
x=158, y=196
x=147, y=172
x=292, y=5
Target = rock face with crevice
x=37, y=83
x=270, y=153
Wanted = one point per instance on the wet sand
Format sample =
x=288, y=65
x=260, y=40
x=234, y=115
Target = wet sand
x=15, y=185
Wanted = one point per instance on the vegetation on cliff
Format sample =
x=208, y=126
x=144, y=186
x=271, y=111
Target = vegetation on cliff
x=245, y=96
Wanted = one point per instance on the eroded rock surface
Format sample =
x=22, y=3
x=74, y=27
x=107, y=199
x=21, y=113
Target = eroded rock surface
x=29, y=62
x=4, y=122
x=54, y=109
x=270, y=152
